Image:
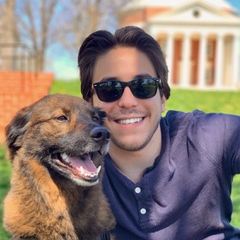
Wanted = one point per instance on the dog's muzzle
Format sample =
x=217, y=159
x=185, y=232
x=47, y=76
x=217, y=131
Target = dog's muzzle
x=82, y=169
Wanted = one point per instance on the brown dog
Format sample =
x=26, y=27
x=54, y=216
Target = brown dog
x=56, y=147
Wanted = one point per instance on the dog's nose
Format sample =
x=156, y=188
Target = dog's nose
x=100, y=134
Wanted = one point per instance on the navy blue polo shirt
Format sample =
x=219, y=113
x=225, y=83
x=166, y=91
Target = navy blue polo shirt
x=186, y=194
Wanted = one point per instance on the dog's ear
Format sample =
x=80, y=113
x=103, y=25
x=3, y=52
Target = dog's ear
x=16, y=129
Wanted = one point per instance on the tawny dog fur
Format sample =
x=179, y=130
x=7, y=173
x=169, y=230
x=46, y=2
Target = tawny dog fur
x=43, y=204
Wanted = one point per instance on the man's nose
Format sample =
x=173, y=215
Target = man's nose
x=127, y=100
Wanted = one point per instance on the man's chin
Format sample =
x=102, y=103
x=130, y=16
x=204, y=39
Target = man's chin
x=129, y=145
x=135, y=142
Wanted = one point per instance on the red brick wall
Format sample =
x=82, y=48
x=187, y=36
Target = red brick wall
x=20, y=89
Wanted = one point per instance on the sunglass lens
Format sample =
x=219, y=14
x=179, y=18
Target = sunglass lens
x=144, y=87
x=109, y=91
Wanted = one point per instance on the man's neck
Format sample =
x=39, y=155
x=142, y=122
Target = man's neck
x=133, y=163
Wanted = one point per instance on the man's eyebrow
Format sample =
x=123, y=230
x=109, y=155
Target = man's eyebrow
x=142, y=75
x=117, y=79
x=108, y=79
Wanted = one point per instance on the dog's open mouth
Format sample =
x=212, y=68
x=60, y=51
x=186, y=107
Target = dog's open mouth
x=80, y=169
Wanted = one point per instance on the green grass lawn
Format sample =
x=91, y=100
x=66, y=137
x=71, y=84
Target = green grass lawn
x=183, y=100
x=65, y=87
x=4, y=185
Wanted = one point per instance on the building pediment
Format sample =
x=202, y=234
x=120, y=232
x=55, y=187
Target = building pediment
x=197, y=12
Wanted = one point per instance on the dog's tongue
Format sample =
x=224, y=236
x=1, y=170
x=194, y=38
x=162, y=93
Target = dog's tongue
x=85, y=161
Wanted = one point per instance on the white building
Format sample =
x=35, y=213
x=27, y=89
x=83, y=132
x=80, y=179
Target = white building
x=200, y=38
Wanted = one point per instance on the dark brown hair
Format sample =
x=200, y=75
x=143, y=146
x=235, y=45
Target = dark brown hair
x=102, y=41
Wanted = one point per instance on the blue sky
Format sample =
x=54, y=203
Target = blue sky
x=235, y=3
x=64, y=64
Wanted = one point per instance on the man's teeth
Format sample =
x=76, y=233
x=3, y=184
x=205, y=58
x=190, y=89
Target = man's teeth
x=130, y=120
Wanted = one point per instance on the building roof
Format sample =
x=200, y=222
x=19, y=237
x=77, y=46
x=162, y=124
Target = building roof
x=136, y=4
x=206, y=14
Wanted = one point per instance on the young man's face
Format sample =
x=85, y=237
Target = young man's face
x=132, y=122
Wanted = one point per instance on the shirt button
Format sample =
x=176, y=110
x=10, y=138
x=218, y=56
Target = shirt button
x=143, y=211
x=137, y=190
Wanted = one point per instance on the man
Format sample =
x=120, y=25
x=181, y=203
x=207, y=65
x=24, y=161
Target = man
x=166, y=178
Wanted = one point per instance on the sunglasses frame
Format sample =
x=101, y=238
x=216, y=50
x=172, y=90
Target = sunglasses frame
x=127, y=84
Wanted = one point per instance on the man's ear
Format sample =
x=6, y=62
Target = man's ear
x=15, y=130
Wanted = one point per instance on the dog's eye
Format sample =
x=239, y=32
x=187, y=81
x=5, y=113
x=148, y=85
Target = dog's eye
x=102, y=114
x=62, y=118
x=98, y=116
x=95, y=118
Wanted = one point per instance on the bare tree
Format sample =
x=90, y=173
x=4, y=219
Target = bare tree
x=45, y=22
x=81, y=17
x=35, y=22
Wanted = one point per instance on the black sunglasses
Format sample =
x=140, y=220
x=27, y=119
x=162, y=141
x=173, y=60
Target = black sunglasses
x=141, y=87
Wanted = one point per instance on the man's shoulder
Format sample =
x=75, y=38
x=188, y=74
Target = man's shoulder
x=201, y=124
x=178, y=119
x=173, y=115
x=198, y=119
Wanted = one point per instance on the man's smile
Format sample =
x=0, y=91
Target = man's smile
x=129, y=120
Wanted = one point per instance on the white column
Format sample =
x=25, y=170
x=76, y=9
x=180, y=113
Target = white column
x=202, y=61
x=236, y=61
x=169, y=55
x=218, y=82
x=185, y=72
